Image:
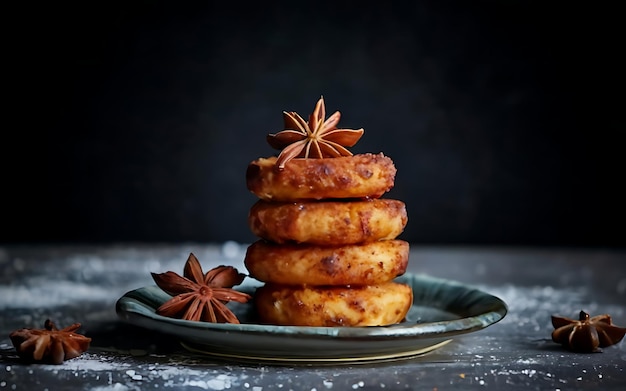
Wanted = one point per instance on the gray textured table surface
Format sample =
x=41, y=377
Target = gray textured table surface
x=82, y=283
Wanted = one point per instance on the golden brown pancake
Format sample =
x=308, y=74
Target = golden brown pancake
x=302, y=264
x=367, y=305
x=359, y=176
x=328, y=223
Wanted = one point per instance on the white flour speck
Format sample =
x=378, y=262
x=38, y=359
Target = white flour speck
x=357, y=385
x=197, y=383
x=526, y=361
x=216, y=384
x=231, y=249
x=114, y=387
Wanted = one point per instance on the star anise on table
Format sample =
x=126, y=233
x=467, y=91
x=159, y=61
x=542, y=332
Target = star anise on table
x=49, y=344
x=317, y=138
x=198, y=296
x=586, y=334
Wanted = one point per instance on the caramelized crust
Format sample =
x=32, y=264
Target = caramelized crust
x=368, y=305
x=328, y=223
x=302, y=264
x=359, y=176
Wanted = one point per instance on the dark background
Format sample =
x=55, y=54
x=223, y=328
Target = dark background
x=135, y=121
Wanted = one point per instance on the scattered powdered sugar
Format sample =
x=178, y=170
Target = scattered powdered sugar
x=113, y=387
x=90, y=362
x=530, y=308
x=42, y=292
x=121, y=373
x=220, y=382
x=478, y=359
x=84, y=277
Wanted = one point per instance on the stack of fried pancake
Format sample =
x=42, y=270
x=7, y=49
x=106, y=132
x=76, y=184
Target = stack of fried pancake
x=327, y=252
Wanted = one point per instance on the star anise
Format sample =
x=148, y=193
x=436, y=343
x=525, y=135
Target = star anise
x=49, y=344
x=586, y=334
x=317, y=138
x=199, y=296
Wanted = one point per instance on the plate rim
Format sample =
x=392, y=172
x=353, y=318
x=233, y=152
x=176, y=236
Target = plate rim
x=494, y=313
x=316, y=360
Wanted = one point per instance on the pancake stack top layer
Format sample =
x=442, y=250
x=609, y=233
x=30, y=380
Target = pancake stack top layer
x=328, y=251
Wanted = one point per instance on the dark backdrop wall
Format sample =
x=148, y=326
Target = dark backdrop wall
x=136, y=121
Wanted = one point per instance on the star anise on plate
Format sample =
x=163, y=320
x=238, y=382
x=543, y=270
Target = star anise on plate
x=198, y=296
x=586, y=334
x=49, y=344
x=317, y=138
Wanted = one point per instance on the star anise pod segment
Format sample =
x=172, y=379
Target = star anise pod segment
x=198, y=296
x=586, y=334
x=49, y=344
x=317, y=138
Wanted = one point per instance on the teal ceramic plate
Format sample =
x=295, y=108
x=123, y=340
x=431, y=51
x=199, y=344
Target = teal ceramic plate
x=441, y=310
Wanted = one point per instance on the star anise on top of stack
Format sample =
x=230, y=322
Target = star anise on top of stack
x=317, y=138
x=49, y=344
x=198, y=296
x=587, y=333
